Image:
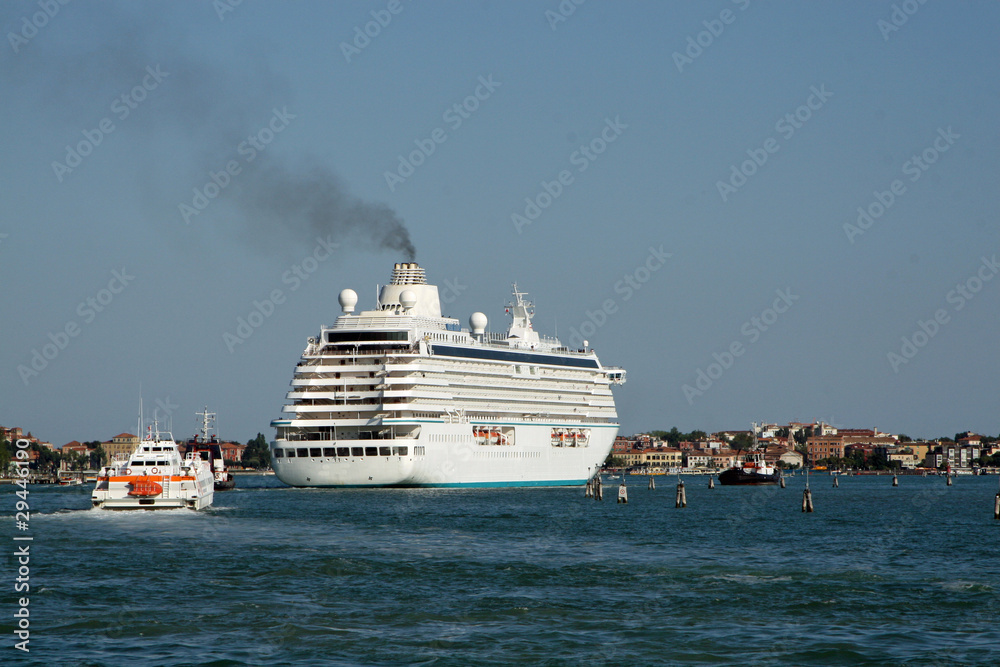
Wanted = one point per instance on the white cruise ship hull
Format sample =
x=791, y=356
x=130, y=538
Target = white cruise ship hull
x=534, y=461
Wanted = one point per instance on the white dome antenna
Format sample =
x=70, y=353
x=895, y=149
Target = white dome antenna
x=478, y=322
x=407, y=299
x=348, y=299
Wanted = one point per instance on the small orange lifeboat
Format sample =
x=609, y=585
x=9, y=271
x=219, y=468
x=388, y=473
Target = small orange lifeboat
x=144, y=487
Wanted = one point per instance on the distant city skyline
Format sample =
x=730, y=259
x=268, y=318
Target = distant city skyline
x=754, y=208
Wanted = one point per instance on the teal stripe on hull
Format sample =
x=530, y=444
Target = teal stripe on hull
x=457, y=485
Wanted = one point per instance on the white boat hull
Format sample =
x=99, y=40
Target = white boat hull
x=194, y=493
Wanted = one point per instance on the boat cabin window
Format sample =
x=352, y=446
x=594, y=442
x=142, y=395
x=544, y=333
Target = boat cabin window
x=400, y=451
x=315, y=451
x=385, y=451
x=329, y=451
x=343, y=451
x=357, y=451
x=418, y=450
x=279, y=453
x=162, y=463
x=371, y=451
x=289, y=453
x=303, y=452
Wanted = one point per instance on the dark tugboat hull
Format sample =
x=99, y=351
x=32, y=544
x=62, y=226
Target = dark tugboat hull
x=737, y=477
x=227, y=485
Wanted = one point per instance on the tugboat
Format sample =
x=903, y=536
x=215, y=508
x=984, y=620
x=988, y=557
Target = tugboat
x=754, y=471
x=207, y=448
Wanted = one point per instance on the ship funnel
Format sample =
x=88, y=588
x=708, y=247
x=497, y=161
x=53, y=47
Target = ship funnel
x=408, y=292
x=408, y=273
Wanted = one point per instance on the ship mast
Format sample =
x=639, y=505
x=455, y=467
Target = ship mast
x=207, y=419
x=521, y=312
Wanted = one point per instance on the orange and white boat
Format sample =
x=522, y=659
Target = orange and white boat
x=155, y=476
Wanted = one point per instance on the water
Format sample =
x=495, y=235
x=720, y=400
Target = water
x=272, y=575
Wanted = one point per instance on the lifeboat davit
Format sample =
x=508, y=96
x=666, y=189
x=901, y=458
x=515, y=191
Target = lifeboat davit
x=145, y=487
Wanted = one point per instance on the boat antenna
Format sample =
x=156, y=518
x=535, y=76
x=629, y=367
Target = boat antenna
x=207, y=419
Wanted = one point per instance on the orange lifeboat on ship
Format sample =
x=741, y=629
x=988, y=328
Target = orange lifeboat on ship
x=145, y=487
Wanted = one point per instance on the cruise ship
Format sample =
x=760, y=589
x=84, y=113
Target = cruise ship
x=402, y=396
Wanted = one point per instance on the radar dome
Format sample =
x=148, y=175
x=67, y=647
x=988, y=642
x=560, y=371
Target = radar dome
x=478, y=322
x=348, y=299
x=407, y=299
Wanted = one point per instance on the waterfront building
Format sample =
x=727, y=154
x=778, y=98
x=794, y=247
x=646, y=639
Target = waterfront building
x=723, y=459
x=121, y=445
x=697, y=459
x=955, y=455
x=12, y=434
x=74, y=446
x=782, y=453
x=906, y=459
x=824, y=447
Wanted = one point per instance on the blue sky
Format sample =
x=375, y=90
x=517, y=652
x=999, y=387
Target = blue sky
x=739, y=138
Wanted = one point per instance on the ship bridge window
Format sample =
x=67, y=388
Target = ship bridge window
x=289, y=453
x=400, y=451
x=342, y=336
x=343, y=451
x=315, y=451
x=329, y=451
x=522, y=357
x=371, y=451
x=385, y=451
x=162, y=463
x=357, y=451
x=303, y=452
x=279, y=453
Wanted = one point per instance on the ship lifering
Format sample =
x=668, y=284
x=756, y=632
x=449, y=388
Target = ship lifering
x=154, y=471
x=128, y=471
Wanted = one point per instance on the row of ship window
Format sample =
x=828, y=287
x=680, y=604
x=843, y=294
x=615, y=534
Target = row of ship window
x=316, y=452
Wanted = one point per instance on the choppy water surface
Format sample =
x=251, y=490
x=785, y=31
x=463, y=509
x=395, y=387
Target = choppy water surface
x=272, y=575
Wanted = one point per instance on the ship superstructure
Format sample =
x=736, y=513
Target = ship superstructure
x=402, y=396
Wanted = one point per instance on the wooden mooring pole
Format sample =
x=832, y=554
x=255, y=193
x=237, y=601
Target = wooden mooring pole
x=807, y=495
x=682, y=500
x=807, y=500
